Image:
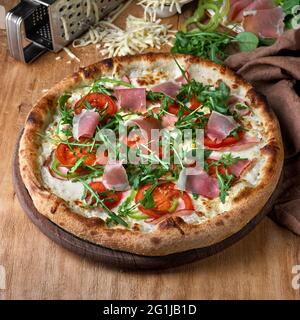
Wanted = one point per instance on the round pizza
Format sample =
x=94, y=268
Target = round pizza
x=151, y=154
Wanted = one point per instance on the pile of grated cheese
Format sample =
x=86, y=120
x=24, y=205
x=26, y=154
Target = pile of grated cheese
x=139, y=34
x=151, y=6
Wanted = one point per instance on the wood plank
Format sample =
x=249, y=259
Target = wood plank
x=259, y=266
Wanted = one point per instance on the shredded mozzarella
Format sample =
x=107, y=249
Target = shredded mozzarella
x=66, y=29
x=151, y=6
x=138, y=35
x=71, y=54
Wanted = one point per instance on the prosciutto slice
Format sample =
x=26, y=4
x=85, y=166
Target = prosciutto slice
x=133, y=99
x=146, y=125
x=85, y=124
x=219, y=126
x=238, y=168
x=266, y=23
x=115, y=177
x=245, y=143
x=254, y=6
x=236, y=7
x=169, y=120
x=169, y=88
x=196, y=180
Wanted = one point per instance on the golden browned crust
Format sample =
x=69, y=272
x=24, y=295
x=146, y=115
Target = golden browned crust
x=172, y=235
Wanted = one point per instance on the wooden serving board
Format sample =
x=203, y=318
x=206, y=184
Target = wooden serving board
x=117, y=258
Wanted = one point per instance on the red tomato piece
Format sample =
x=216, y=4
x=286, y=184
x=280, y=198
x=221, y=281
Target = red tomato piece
x=164, y=196
x=227, y=142
x=99, y=101
x=195, y=104
x=112, y=198
x=67, y=156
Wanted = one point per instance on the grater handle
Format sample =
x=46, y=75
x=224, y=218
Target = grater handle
x=14, y=21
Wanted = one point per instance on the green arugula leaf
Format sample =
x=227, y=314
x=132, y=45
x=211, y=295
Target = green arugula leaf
x=247, y=41
x=148, y=201
x=208, y=45
x=94, y=197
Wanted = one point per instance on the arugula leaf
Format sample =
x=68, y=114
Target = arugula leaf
x=224, y=180
x=148, y=201
x=98, y=201
x=214, y=98
x=208, y=45
x=248, y=41
x=164, y=100
x=125, y=209
x=224, y=184
x=78, y=163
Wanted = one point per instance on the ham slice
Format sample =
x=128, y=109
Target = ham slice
x=266, y=23
x=169, y=120
x=169, y=88
x=236, y=7
x=254, y=6
x=146, y=125
x=101, y=156
x=85, y=124
x=133, y=99
x=245, y=143
x=196, y=180
x=219, y=126
x=115, y=177
x=238, y=168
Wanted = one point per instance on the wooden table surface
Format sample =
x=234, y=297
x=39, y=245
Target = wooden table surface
x=258, y=267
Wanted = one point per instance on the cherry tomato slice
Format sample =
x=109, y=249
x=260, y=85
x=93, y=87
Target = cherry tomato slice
x=195, y=104
x=99, y=101
x=164, y=196
x=173, y=108
x=112, y=198
x=68, y=156
x=212, y=170
x=227, y=142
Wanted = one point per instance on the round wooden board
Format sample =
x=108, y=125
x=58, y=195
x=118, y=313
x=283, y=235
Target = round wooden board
x=117, y=258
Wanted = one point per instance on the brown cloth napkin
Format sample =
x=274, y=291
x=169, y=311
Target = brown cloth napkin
x=275, y=72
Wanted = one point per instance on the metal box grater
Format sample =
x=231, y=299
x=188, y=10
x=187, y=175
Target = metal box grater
x=45, y=23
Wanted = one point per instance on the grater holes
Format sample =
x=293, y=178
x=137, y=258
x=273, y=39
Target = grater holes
x=72, y=16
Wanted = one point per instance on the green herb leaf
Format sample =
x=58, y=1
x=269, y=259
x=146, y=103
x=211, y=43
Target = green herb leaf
x=98, y=201
x=148, y=201
x=248, y=41
x=208, y=45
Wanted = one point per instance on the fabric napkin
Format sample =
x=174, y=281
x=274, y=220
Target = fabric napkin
x=274, y=71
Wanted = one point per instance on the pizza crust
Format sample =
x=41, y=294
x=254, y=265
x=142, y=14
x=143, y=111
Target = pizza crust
x=173, y=234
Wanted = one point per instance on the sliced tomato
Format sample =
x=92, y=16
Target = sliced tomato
x=212, y=170
x=67, y=156
x=112, y=198
x=99, y=101
x=227, y=142
x=173, y=108
x=195, y=104
x=133, y=141
x=164, y=196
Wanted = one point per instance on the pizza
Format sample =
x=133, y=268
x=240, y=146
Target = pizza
x=151, y=154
